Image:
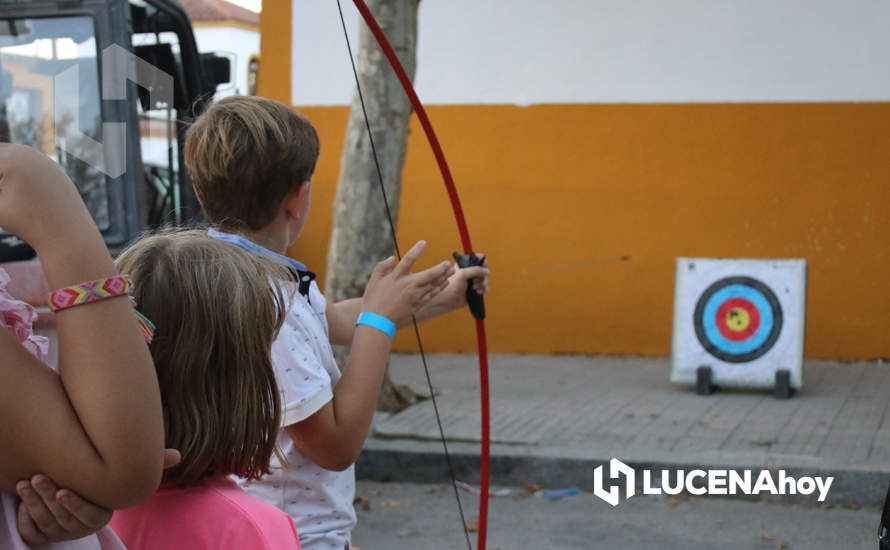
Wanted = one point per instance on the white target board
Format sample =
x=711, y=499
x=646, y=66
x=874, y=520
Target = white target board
x=743, y=318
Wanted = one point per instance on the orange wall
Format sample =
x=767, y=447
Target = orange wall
x=273, y=79
x=556, y=194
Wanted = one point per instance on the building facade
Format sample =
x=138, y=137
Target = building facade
x=593, y=142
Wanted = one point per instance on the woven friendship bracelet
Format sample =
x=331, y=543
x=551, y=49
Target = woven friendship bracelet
x=89, y=292
x=101, y=289
x=145, y=324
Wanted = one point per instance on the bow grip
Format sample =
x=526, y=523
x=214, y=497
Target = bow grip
x=474, y=299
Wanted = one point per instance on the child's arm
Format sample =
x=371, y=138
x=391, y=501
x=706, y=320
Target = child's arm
x=43, y=518
x=334, y=436
x=49, y=514
x=97, y=428
x=341, y=320
x=342, y=315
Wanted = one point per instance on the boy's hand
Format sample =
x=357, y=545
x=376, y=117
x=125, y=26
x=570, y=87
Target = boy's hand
x=455, y=294
x=396, y=293
x=47, y=514
x=38, y=202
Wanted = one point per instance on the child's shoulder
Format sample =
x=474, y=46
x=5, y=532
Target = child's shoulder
x=261, y=520
x=305, y=310
x=216, y=512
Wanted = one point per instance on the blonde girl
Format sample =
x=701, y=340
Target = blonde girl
x=216, y=316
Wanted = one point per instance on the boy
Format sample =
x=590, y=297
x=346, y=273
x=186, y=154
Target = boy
x=251, y=161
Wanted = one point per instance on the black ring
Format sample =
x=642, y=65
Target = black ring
x=710, y=347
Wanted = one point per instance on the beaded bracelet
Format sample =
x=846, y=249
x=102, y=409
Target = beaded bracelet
x=100, y=289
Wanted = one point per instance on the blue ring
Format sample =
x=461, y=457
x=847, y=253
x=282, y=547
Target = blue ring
x=713, y=331
x=705, y=324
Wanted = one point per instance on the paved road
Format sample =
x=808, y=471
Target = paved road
x=416, y=516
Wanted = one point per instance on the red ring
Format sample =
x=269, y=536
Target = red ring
x=753, y=319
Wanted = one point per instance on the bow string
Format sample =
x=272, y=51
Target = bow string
x=467, y=246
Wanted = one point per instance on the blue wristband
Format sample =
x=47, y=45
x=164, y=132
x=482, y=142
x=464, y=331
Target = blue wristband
x=379, y=322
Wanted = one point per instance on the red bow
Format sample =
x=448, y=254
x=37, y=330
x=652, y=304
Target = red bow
x=390, y=54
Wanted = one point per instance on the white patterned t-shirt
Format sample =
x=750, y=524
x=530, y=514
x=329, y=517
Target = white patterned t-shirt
x=318, y=500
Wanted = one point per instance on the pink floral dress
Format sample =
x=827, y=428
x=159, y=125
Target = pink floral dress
x=18, y=319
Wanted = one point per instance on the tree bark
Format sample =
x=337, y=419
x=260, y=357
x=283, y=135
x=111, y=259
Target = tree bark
x=361, y=235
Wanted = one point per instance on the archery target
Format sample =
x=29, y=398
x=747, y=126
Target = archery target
x=742, y=318
x=738, y=319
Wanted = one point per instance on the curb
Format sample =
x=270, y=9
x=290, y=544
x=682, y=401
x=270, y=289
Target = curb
x=851, y=487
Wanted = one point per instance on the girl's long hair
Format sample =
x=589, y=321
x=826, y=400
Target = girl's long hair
x=217, y=310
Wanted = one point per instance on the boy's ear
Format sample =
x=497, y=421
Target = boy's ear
x=295, y=200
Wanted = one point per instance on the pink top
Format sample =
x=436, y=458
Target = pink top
x=215, y=515
x=18, y=317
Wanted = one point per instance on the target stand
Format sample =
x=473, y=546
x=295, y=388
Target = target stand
x=739, y=323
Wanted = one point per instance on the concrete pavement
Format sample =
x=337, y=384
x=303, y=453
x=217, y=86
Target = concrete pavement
x=554, y=418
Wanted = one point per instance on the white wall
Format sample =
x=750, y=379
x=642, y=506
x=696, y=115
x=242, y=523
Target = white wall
x=230, y=41
x=588, y=51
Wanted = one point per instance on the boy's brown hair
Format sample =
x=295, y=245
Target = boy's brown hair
x=244, y=154
x=216, y=315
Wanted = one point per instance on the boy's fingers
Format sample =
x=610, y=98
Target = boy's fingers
x=443, y=284
x=429, y=295
x=85, y=512
x=475, y=272
x=27, y=528
x=442, y=279
x=479, y=278
x=432, y=275
x=409, y=258
x=434, y=289
x=435, y=286
x=384, y=266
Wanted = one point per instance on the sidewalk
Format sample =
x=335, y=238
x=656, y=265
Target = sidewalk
x=555, y=418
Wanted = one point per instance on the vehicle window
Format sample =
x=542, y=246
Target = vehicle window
x=39, y=57
x=158, y=137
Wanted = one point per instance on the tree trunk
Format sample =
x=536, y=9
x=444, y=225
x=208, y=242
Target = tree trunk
x=361, y=235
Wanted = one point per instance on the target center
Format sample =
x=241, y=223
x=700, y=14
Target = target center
x=737, y=319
